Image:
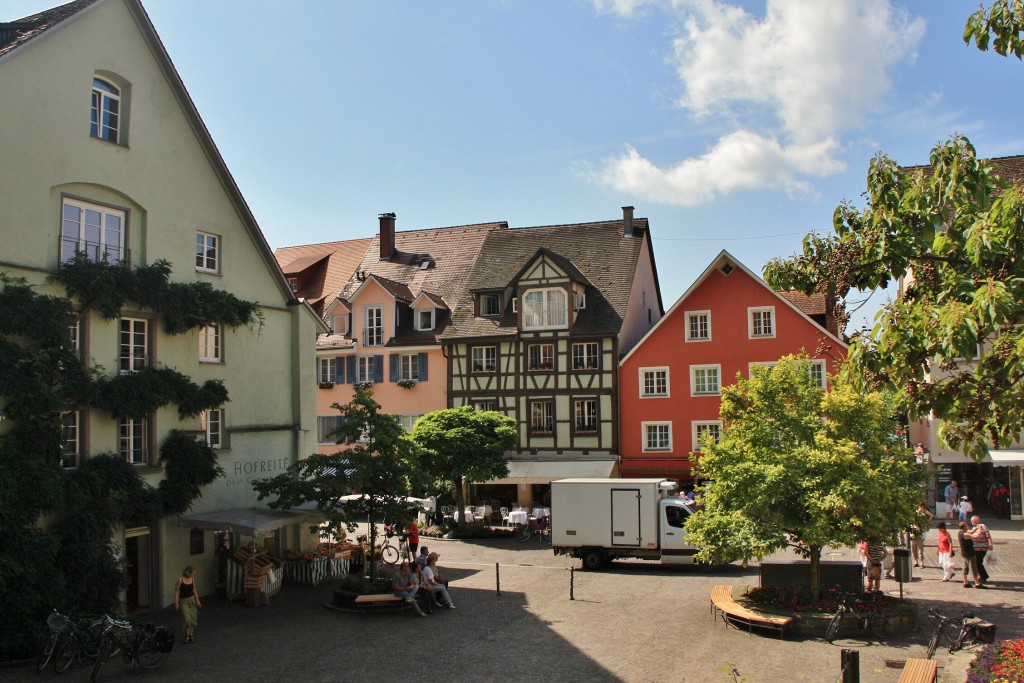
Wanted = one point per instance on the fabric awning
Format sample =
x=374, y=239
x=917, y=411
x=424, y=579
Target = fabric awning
x=543, y=471
x=1007, y=458
x=669, y=468
x=248, y=521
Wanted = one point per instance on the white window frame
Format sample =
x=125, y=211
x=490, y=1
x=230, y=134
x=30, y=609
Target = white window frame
x=76, y=231
x=699, y=426
x=545, y=355
x=212, y=422
x=755, y=330
x=293, y=284
x=479, y=356
x=132, y=356
x=210, y=350
x=105, y=101
x=339, y=329
x=133, y=440
x=418, y=325
x=485, y=309
x=408, y=421
x=486, y=405
x=71, y=442
x=583, y=359
x=818, y=372
x=365, y=369
x=660, y=427
x=579, y=299
x=701, y=374
x=691, y=316
x=205, y=243
x=759, y=364
x=542, y=421
x=327, y=370
x=654, y=393
x=75, y=336
x=322, y=430
x=587, y=409
x=373, y=325
x=546, y=314
x=409, y=367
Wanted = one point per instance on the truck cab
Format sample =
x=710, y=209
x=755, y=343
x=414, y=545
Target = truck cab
x=674, y=543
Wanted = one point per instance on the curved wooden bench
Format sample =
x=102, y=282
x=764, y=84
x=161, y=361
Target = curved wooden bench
x=732, y=612
x=919, y=671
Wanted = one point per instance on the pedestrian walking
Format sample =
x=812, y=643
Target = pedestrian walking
x=967, y=555
x=946, y=553
x=919, y=531
x=982, y=544
x=965, y=509
x=186, y=601
x=952, y=495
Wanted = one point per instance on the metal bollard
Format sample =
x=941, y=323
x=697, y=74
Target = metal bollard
x=497, y=577
x=572, y=582
x=850, y=661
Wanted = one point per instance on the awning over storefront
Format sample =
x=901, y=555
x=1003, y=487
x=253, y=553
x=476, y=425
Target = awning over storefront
x=248, y=521
x=1007, y=458
x=669, y=468
x=543, y=471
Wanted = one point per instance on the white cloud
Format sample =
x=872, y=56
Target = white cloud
x=784, y=87
x=740, y=160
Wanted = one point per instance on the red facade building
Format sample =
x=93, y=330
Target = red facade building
x=727, y=322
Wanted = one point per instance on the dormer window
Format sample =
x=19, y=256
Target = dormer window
x=339, y=323
x=579, y=300
x=490, y=304
x=105, y=118
x=545, y=309
x=423, y=319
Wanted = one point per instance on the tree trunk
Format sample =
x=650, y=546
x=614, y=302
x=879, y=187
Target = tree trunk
x=372, y=559
x=815, y=556
x=460, y=503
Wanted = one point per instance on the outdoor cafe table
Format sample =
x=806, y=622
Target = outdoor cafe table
x=541, y=513
x=518, y=517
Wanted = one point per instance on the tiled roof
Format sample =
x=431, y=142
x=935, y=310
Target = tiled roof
x=326, y=342
x=810, y=304
x=324, y=284
x=396, y=289
x=598, y=251
x=449, y=253
x=20, y=31
x=1010, y=168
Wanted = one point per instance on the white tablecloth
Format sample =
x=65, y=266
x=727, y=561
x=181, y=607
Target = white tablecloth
x=541, y=513
x=518, y=517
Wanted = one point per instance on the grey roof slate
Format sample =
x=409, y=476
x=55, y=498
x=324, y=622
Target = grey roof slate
x=20, y=31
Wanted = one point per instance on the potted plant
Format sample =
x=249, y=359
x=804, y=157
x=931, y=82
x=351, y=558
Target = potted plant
x=407, y=383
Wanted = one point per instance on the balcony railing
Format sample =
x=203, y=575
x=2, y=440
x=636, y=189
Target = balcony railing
x=93, y=251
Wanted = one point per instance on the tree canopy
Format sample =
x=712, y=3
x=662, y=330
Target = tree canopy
x=798, y=466
x=953, y=343
x=1002, y=24
x=378, y=463
x=463, y=445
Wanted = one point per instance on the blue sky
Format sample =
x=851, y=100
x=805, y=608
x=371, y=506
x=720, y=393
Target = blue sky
x=730, y=125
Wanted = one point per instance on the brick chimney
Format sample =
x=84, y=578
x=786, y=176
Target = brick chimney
x=627, y=221
x=387, y=236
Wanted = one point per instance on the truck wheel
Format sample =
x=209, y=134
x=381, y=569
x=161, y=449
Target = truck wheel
x=593, y=559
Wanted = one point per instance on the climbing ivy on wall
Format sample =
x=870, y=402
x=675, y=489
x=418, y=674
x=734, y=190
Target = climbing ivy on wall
x=71, y=562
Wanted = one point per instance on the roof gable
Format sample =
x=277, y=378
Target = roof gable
x=729, y=265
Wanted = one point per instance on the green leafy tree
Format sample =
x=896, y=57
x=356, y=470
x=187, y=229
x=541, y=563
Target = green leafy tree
x=955, y=231
x=379, y=464
x=1002, y=24
x=797, y=466
x=463, y=446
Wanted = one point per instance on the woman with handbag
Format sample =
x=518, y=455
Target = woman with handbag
x=946, y=553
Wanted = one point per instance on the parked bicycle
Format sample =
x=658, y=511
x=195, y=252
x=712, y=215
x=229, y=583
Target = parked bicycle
x=534, y=528
x=883, y=620
x=140, y=645
x=57, y=623
x=80, y=638
x=388, y=552
x=967, y=628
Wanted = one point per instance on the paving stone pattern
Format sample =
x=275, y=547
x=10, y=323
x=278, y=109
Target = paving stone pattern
x=636, y=621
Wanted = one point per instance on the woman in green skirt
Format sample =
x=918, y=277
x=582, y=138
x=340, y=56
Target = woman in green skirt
x=186, y=600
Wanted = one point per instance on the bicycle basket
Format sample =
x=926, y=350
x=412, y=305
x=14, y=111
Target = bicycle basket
x=984, y=632
x=57, y=622
x=164, y=638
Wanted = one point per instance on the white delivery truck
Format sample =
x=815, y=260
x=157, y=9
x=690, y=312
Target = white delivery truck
x=599, y=520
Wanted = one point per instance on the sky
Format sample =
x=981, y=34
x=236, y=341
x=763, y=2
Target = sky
x=736, y=125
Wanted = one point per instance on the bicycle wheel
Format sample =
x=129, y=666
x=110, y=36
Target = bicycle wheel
x=523, y=532
x=833, y=626
x=105, y=651
x=885, y=622
x=90, y=644
x=389, y=554
x=933, y=644
x=47, y=653
x=67, y=651
x=146, y=654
